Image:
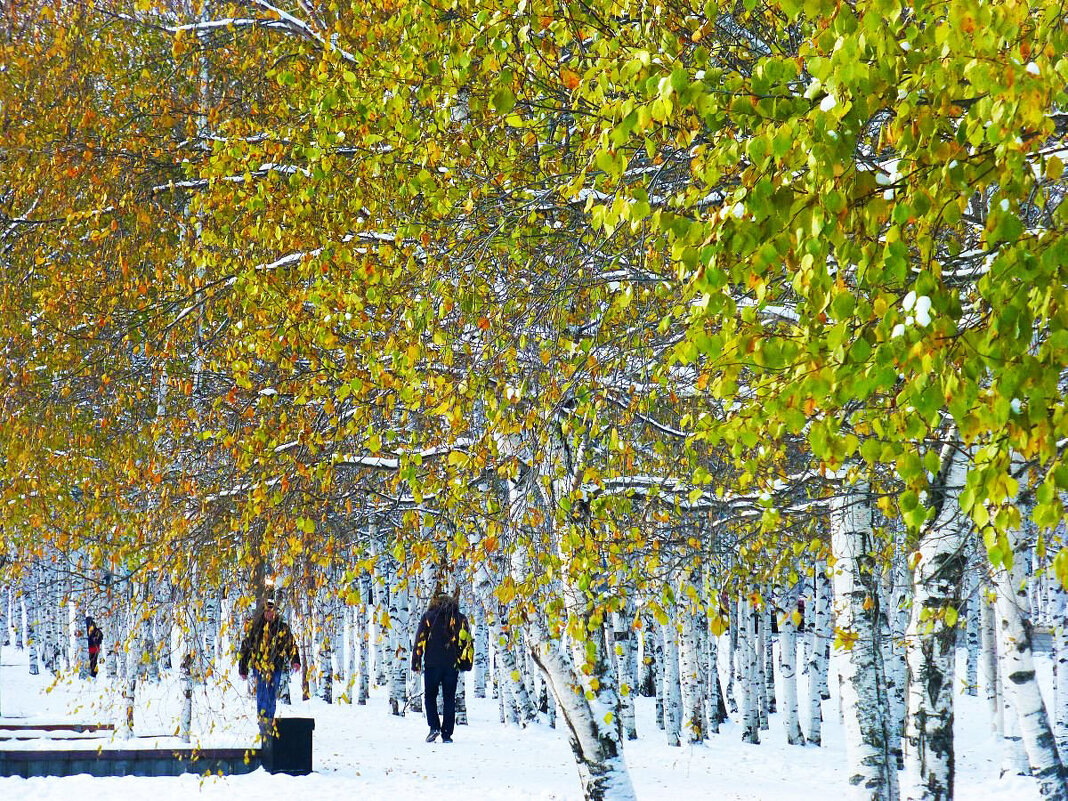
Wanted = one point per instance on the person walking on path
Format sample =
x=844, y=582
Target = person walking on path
x=443, y=647
x=268, y=648
x=95, y=637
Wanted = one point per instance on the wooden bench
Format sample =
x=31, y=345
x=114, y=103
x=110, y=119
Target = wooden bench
x=128, y=762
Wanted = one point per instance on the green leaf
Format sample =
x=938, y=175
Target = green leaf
x=503, y=100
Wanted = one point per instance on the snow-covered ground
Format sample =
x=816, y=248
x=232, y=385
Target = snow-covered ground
x=365, y=752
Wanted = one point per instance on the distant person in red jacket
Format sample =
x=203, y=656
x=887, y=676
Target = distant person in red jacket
x=95, y=637
x=443, y=647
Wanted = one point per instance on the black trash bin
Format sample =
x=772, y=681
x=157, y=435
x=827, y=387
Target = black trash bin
x=290, y=750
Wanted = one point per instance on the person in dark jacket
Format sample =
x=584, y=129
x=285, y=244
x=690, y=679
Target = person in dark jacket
x=443, y=647
x=95, y=637
x=268, y=648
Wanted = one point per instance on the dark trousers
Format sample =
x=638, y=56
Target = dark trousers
x=446, y=678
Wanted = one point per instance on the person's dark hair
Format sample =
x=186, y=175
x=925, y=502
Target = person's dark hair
x=444, y=602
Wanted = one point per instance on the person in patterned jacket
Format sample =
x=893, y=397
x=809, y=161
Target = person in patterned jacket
x=268, y=649
x=443, y=647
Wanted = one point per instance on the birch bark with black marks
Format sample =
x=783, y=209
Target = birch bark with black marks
x=1014, y=635
x=692, y=677
x=1059, y=609
x=653, y=647
x=81, y=636
x=133, y=668
x=587, y=710
x=768, y=650
x=930, y=642
x=324, y=627
x=185, y=680
x=30, y=611
x=625, y=645
x=1013, y=752
x=338, y=616
x=732, y=659
x=48, y=596
x=115, y=634
x=210, y=630
x=970, y=630
x=760, y=678
x=818, y=625
x=895, y=672
x=747, y=671
x=481, y=641
x=672, y=684
x=5, y=615
x=872, y=771
x=363, y=619
x=788, y=667
x=989, y=672
x=716, y=711
x=399, y=645
x=461, y=700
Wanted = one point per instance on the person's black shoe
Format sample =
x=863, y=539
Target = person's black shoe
x=434, y=735
x=446, y=739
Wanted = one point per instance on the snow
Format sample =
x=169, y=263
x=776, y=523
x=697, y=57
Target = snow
x=923, y=310
x=365, y=752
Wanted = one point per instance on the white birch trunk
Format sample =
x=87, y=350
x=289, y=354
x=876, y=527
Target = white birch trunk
x=185, y=724
x=732, y=659
x=1014, y=634
x=114, y=637
x=788, y=668
x=759, y=677
x=862, y=681
x=818, y=630
x=5, y=615
x=768, y=650
x=653, y=647
x=210, y=630
x=326, y=661
x=132, y=673
x=1059, y=608
x=351, y=653
x=461, y=700
x=713, y=712
x=399, y=649
x=364, y=621
x=747, y=674
x=691, y=680
x=625, y=643
x=30, y=613
x=81, y=640
x=672, y=687
x=971, y=630
x=592, y=733
x=989, y=682
x=930, y=644
x=338, y=615
x=481, y=665
x=1013, y=752
x=19, y=617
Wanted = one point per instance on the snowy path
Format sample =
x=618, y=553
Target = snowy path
x=366, y=753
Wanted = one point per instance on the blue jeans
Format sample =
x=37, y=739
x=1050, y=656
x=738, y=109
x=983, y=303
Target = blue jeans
x=267, y=693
